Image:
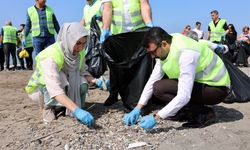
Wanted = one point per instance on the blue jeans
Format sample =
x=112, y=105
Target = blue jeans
x=40, y=43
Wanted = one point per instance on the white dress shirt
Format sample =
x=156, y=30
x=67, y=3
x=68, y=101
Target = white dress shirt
x=188, y=63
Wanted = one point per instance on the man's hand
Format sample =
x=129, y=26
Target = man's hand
x=148, y=122
x=104, y=35
x=24, y=42
x=132, y=117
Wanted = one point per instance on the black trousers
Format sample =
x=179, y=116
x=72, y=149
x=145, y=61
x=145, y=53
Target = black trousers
x=1, y=58
x=165, y=90
x=10, y=49
x=117, y=82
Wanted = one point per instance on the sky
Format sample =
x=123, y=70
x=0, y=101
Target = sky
x=172, y=15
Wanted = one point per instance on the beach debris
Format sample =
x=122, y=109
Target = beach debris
x=137, y=144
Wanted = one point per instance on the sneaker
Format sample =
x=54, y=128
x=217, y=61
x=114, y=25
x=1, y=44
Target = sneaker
x=48, y=115
x=205, y=118
x=110, y=101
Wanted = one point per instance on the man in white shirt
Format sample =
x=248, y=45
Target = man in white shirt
x=198, y=30
x=196, y=77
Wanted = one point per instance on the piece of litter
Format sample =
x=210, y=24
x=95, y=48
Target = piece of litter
x=90, y=107
x=137, y=144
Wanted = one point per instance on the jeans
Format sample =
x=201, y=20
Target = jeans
x=40, y=43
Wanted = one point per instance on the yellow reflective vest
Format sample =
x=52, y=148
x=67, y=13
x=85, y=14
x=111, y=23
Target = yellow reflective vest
x=55, y=52
x=210, y=69
x=35, y=21
x=119, y=13
x=90, y=11
x=9, y=34
x=218, y=31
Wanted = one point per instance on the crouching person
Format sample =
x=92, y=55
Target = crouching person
x=196, y=77
x=59, y=76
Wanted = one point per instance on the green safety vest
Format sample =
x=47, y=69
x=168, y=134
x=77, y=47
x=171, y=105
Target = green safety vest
x=90, y=11
x=118, y=17
x=28, y=40
x=34, y=18
x=210, y=69
x=9, y=34
x=55, y=52
x=218, y=31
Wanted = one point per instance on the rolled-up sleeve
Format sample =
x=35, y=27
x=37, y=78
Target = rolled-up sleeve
x=52, y=77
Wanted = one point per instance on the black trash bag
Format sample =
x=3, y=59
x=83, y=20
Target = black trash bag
x=123, y=50
x=240, y=84
x=241, y=56
x=124, y=54
x=94, y=57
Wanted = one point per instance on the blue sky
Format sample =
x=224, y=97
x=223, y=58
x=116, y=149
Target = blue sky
x=172, y=15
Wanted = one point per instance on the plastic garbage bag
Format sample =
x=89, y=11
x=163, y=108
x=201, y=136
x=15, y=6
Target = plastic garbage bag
x=124, y=54
x=240, y=84
x=94, y=57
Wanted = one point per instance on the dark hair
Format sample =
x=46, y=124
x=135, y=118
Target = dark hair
x=197, y=23
x=214, y=11
x=233, y=28
x=156, y=35
x=187, y=26
x=193, y=35
x=23, y=25
x=244, y=28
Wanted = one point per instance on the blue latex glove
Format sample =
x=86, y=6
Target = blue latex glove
x=220, y=48
x=132, y=117
x=104, y=35
x=98, y=83
x=84, y=116
x=107, y=84
x=24, y=42
x=150, y=24
x=148, y=122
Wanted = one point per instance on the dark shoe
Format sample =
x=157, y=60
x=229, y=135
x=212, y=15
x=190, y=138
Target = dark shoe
x=181, y=117
x=110, y=101
x=130, y=107
x=59, y=111
x=205, y=118
x=230, y=99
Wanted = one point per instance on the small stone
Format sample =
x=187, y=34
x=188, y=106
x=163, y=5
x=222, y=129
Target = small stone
x=66, y=147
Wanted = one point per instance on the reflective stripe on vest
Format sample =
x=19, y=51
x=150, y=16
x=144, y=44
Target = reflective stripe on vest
x=218, y=31
x=90, y=11
x=9, y=34
x=210, y=69
x=35, y=25
x=119, y=14
x=54, y=51
x=28, y=40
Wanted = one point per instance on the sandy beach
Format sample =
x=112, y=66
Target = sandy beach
x=21, y=126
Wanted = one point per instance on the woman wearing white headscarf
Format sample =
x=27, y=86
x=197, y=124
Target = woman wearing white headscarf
x=59, y=76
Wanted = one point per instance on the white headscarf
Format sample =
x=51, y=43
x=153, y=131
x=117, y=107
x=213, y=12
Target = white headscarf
x=68, y=35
